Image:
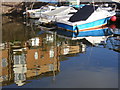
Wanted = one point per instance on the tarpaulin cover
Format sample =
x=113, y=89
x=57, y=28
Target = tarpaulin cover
x=83, y=13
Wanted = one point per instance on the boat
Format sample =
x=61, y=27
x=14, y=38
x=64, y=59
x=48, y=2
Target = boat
x=92, y=38
x=100, y=31
x=36, y=13
x=85, y=21
x=59, y=12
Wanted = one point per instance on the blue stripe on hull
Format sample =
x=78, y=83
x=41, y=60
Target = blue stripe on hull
x=84, y=26
x=99, y=32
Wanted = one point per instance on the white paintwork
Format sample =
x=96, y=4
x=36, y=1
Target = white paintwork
x=19, y=75
x=35, y=41
x=36, y=13
x=83, y=47
x=78, y=2
x=116, y=1
x=49, y=38
x=100, y=13
x=2, y=46
x=36, y=55
x=51, y=53
x=56, y=14
x=66, y=50
x=96, y=39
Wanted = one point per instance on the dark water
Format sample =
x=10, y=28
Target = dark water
x=35, y=58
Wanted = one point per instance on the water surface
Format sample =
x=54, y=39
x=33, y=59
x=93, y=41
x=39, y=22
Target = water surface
x=35, y=58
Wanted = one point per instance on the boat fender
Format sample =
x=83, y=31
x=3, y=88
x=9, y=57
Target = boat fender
x=113, y=18
x=113, y=26
x=77, y=31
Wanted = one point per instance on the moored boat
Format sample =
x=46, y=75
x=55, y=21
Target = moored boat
x=100, y=31
x=98, y=36
x=36, y=13
x=85, y=21
x=51, y=16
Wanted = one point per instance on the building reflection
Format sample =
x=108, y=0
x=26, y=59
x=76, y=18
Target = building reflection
x=6, y=74
x=25, y=60
x=68, y=48
x=39, y=56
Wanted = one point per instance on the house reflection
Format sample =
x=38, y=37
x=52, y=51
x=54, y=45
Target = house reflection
x=24, y=60
x=68, y=48
x=6, y=74
x=41, y=57
x=35, y=57
x=38, y=56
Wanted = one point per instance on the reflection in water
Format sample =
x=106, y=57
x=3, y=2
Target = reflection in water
x=29, y=53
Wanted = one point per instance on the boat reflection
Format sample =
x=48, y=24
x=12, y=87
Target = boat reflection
x=106, y=38
x=112, y=43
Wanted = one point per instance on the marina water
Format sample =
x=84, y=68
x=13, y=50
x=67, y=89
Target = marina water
x=35, y=58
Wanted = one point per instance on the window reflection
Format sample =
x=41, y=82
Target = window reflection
x=41, y=54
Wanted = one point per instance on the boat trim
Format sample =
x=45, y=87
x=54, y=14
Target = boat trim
x=87, y=29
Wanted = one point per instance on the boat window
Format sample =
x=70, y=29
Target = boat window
x=52, y=9
x=72, y=9
x=72, y=13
